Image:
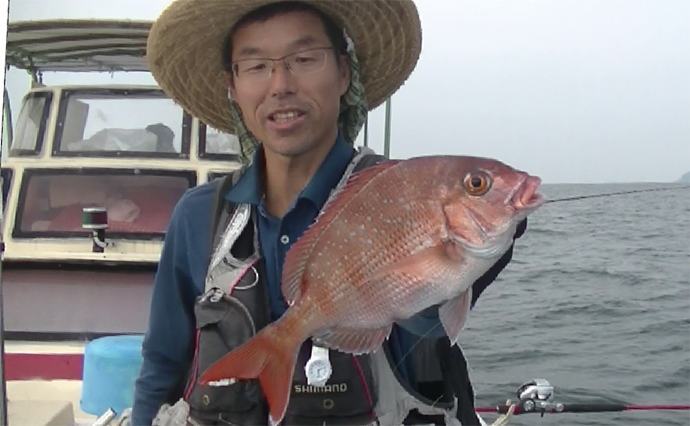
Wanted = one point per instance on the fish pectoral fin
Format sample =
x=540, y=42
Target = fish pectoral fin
x=454, y=313
x=430, y=264
x=353, y=341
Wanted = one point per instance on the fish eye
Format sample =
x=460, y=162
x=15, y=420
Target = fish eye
x=477, y=183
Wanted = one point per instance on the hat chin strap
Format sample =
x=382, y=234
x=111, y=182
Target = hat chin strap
x=353, y=105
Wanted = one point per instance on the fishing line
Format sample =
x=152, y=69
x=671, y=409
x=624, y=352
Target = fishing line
x=431, y=330
x=635, y=191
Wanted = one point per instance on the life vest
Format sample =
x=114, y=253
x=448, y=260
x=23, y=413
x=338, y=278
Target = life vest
x=362, y=390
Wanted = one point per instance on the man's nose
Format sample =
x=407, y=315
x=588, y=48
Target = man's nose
x=282, y=81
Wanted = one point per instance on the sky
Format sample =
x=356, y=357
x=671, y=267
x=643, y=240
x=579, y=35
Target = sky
x=574, y=91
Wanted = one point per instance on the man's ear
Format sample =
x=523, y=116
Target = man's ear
x=344, y=74
x=230, y=83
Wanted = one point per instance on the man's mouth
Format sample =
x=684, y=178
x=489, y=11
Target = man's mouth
x=285, y=116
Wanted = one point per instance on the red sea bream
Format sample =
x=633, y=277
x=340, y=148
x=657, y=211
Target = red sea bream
x=399, y=237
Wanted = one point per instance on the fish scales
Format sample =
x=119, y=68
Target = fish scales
x=398, y=222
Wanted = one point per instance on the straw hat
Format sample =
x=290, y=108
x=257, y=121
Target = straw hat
x=185, y=44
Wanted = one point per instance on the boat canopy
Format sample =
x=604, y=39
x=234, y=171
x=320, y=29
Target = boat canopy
x=69, y=45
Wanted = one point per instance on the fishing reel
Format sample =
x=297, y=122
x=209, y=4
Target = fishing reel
x=537, y=395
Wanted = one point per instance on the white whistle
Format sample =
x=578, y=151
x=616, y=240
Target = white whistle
x=318, y=368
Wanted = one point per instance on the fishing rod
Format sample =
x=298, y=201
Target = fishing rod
x=633, y=191
x=536, y=397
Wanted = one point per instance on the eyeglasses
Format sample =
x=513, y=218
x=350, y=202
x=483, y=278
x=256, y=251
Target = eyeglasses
x=298, y=63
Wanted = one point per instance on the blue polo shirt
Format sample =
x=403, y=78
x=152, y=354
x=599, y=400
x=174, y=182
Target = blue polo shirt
x=167, y=347
x=276, y=236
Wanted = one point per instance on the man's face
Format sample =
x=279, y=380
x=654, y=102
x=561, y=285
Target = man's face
x=290, y=113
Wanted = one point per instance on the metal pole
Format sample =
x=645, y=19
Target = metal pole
x=366, y=132
x=3, y=388
x=387, y=135
x=10, y=132
x=3, y=384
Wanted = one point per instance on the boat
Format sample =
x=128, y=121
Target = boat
x=90, y=177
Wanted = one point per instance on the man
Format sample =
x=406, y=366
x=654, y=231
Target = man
x=294, y=81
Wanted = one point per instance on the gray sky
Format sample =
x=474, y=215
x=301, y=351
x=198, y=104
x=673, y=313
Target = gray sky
x=570, y=90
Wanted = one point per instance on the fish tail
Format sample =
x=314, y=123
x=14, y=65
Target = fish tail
x=265, y=357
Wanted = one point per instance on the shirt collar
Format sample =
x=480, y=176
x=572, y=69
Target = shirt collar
x=248, y=187
x=247, y=190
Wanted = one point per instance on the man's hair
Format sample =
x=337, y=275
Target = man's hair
x=264, y=13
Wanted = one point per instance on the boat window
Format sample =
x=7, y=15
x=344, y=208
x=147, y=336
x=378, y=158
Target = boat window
x=31, y=124
x=217, y=145
x=139, y=203
x=133, y=123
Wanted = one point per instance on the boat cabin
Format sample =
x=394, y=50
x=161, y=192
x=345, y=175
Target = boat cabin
x=90, y=177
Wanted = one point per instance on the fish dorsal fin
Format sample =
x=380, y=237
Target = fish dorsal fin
x=298, y=255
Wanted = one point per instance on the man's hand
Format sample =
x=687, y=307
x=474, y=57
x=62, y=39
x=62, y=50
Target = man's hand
x=175, y=415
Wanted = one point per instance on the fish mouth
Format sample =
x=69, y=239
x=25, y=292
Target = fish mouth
x=526, y=197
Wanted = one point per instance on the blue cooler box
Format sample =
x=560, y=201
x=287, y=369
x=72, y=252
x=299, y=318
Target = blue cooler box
x=111, y=365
